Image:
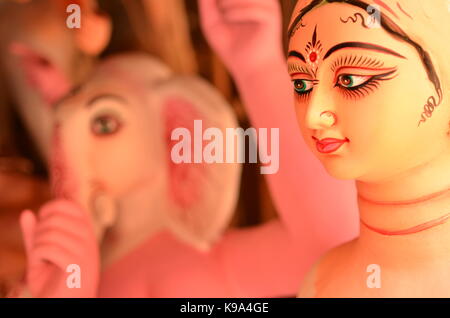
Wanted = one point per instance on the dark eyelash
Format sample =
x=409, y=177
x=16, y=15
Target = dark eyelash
x=354, y=60
x=297, y=68
x=360, y=91
x=367, y=87
x=303, y=96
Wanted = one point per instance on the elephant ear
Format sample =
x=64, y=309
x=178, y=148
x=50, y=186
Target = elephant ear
x=201, y=196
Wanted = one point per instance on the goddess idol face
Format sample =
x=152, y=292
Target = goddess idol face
x=365, y=101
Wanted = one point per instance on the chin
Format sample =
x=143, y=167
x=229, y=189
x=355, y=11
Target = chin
x=339, y=168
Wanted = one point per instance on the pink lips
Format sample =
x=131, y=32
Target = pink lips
x=329, y=145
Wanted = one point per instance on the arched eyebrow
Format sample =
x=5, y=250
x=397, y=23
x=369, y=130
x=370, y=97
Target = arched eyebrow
x=97, y=98
x=361, y=45
x=297, y=54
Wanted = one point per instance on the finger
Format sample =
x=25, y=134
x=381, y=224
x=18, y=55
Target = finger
x=54, y=254
x=28, y=226
x=59, y=222
x=68, y=241
x=68, y=215
x=63, y=207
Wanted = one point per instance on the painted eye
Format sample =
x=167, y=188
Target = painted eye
x=105, y=125
x=302, y=86
x=352, y=81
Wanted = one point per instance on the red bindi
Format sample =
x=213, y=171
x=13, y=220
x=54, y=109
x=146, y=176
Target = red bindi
x=313, y=57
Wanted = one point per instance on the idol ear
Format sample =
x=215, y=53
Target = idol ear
x=202, y=191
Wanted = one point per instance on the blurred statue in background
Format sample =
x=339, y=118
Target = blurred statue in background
x=112, y=158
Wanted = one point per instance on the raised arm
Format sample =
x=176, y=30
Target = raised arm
x=246, y=34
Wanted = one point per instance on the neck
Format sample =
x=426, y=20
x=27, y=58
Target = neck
x=139, y=217
x=408, y=217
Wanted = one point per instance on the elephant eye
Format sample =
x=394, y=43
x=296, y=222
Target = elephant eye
x=105, y=125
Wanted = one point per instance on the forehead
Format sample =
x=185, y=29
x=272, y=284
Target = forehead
x=81, y=96
x=335, y=23
x=132, y=78
x=396, y=9
x=134, y=94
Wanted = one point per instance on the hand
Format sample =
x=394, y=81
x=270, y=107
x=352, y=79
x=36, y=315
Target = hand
x=246, y=34
x=62, y=235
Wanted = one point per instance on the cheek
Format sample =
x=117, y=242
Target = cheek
x=123, y=161
x=385, y=139
x=300, y=111
x=360, y=122
x=363, y=123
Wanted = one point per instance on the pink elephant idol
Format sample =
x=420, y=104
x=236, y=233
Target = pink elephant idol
x=113, y=152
